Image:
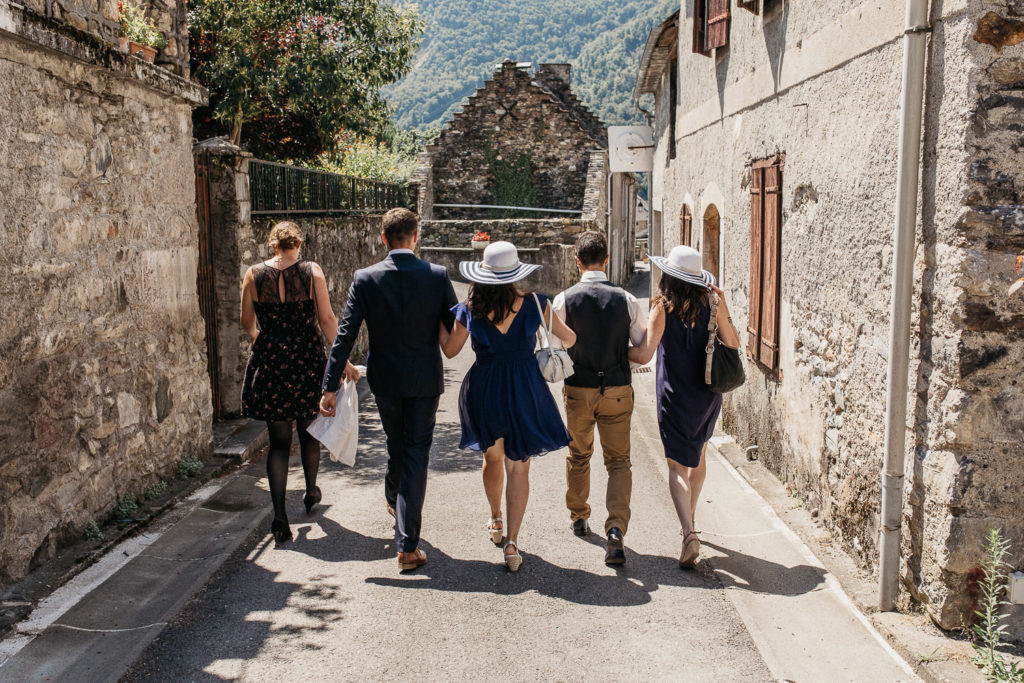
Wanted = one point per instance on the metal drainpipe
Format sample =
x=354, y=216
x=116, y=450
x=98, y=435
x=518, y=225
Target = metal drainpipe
x=915, y=50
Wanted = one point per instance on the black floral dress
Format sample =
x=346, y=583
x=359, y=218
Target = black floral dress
x=286, y=368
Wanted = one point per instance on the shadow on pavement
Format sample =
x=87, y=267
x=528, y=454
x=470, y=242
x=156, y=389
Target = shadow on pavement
x=630, y=586
x=751, y=573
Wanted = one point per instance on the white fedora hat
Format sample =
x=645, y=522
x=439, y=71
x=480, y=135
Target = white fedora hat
x=501, y=265
x=684, y=263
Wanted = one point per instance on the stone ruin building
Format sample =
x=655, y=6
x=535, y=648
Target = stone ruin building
x=103, y=382
x=777, y=130
x=524, y=139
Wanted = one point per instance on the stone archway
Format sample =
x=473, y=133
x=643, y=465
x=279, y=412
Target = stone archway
x=710, y=241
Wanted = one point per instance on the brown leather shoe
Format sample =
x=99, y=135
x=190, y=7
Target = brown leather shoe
x=409, y=561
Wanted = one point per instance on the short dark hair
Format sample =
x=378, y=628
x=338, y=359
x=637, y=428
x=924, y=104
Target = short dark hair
x=400, y=225
x=592, y=248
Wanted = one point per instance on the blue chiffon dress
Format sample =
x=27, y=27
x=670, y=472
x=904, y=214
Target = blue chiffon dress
x=687, y=411
x=504, y=395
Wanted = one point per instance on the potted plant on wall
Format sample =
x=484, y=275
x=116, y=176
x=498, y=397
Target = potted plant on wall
x=138, y=32
x=481, y=239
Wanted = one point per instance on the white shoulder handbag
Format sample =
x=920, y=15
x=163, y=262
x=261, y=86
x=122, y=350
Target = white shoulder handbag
x=555, y=364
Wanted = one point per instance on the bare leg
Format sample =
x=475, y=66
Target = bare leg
x=679, y=487
x=494, y=476
x=697, y=476
x=516, y=495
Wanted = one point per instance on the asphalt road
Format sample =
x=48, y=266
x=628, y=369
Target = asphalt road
x=332, y=605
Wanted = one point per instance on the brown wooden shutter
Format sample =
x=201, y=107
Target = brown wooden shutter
x=771, y=290
x=749, y=5
x=718, y=24
x=756, y=243
x=700, y=16
x=686, y=226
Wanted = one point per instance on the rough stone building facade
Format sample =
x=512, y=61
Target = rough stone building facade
x=777, y=156
x=524, y=139
x=102, y=372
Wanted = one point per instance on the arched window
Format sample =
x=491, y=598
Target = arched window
x=686, y=226
x=709, y=243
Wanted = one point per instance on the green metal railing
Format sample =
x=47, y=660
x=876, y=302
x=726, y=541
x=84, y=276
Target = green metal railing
x=289, y=190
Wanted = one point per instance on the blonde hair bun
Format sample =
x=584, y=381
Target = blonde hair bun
x=285, y=235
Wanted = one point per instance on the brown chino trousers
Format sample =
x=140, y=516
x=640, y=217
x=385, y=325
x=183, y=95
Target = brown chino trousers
x=612, y=412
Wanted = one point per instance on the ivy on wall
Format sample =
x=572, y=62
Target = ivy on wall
x=512, y=182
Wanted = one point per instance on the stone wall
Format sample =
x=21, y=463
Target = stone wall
x=807, y=83
x=558, y=269
x=341, y=245
x=523, y=232
x=103, y=383
x=515, y=113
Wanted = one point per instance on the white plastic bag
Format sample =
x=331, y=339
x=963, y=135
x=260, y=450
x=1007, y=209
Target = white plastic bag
x=340, y=434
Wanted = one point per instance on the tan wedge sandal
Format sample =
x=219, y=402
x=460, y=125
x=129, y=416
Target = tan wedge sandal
x=515, y=560
x=691, y=551
x=496, y=528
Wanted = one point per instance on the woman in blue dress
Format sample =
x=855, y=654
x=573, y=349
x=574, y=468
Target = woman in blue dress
x=505, y=406
x=687, y=410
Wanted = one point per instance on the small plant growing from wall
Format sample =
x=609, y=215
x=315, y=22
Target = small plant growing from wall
x=988, y=630
x=189, y=467
x=138, y=32
x=512, y=182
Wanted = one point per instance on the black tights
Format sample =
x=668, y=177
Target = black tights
x=277, y=460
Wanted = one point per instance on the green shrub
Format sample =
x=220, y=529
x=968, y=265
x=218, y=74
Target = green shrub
x=155, y=490
x=126, y=508
x=93, y=531
x=988, y=629
x=189, y=467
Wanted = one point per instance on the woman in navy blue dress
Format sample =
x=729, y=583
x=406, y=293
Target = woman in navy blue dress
x=687, y=411
x=505, y=406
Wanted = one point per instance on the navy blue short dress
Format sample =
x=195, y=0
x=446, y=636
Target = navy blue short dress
x=504, y=395
x=687, y=411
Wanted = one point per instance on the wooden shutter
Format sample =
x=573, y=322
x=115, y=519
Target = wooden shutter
x=771, y=288
x=756, y=243
x=718, y=24
x=749, y=5
x=686, y=226
x=700, y=17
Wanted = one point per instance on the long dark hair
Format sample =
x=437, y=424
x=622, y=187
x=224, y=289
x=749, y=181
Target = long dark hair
x=492, y=302
x=681, y=299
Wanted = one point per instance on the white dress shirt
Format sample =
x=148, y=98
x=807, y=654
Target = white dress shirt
x=637, y=324
x=402, y=251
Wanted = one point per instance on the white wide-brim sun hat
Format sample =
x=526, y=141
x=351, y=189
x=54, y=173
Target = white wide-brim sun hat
x=501, y=266
x=685, y=263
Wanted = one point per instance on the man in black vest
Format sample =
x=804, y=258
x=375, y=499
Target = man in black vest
x=404, y=302
x=606, y=319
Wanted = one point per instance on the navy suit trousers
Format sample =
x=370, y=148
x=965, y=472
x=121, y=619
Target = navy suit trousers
x=409, y=428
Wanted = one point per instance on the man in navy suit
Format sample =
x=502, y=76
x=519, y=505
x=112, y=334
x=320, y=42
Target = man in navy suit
x=404, y=302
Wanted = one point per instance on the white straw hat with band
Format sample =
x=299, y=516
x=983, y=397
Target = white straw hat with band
x=501, y=266
x=685, y=263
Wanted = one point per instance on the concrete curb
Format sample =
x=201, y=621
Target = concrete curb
x=934, y=656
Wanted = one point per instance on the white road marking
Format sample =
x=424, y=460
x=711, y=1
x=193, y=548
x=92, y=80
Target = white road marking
x=58, y=603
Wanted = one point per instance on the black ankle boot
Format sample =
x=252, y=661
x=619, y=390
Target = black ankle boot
x=311, y=499
x=282, y=532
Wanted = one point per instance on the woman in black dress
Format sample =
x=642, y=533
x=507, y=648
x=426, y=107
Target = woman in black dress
x=687, y=410
x=288, y=298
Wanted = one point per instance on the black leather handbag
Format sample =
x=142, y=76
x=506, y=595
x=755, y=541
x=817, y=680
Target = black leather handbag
x=723, y=370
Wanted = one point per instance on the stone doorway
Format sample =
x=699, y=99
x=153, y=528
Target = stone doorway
x=710, y=241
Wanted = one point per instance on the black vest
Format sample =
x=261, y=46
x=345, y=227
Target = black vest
x=598, y=312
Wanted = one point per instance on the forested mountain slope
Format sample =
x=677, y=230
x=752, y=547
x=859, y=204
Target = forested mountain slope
x=465, y=39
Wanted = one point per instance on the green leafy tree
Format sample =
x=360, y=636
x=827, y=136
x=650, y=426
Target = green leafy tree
x=286, y=76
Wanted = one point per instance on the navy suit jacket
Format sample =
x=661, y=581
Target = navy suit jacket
x=403, y=300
